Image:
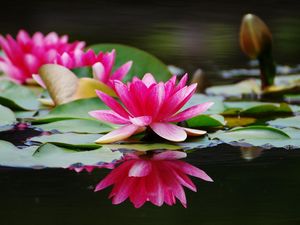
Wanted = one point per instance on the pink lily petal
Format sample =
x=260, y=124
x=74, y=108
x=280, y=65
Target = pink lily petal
x=148, y=79
x=140, y=168
x=139, y=196
x=194, y=132
x=121, y=72
x=141, y=121
x=182, y=82
x=190, y=112
x=115, y=174
x=192, y=171
x=123, y=93
x=112, y=103
x=120, y=134
x=109, y=116
x=170, y=155
x=39, y=80
x=155, y=187
x=169, y=131
x=99, y=72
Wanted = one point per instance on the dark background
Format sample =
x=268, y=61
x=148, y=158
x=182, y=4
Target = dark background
x=190, y=34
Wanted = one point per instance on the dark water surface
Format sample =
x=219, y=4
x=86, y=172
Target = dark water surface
x=189, y=34
x=262, y=191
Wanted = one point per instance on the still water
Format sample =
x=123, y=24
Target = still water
x=262, y=191
x=193, y=34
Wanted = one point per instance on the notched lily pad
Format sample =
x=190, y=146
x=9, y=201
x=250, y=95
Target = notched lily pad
x=286, y=122
x=257, y=109
x=70, y=140
x=77, y=126
x=17, y=97
x=49, y=155
x=282, y=85
x=143, y=146
x=206, y=121
x=74, y=110
x=260, y=136
x=7, y=117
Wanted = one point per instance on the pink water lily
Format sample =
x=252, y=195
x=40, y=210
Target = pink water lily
x=101, y=63
x=147, y=103
x=24, y=55
x=158, y=179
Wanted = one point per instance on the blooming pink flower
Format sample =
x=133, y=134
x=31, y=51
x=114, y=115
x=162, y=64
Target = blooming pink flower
x=102, y=64
x=158, y=179
x=24, y=55
x=149, y=104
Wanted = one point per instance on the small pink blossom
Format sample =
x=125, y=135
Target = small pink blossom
x=147, y=103
x=102, y=64
x=24, y=55
x=158, y=179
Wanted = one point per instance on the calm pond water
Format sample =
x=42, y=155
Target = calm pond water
x=192, y=34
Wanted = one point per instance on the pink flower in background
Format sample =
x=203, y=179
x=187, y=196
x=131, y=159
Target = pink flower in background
x=24, y=55
x=159, y=179
x=102, y=64
x=147, y=103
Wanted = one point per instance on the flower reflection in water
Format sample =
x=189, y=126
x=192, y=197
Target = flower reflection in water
x=155, y=177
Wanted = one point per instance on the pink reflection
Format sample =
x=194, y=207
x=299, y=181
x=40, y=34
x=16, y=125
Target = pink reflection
x=157, y=178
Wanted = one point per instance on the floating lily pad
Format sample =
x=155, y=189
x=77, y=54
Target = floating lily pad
x=144, y=146
x=7, y=116
x=11, y=156
x=216, y=108
x=261, y=136
x=49, y=155
x=286, y=122
x=143, y=62
x=256, y=108
x=77, y=126
x=25, y=114
x=17, y=97
x=282, y=85
x=74, y=110
x=206, y=121
x=70, y=140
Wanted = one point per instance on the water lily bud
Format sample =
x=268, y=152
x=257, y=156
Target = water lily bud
x=255, y=36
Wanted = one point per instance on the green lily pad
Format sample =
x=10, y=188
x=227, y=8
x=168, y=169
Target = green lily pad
x=206, y=121
x=286, y=122
x=7, y=116
x=70, y=140
x=256, y=108
x=49, y=155
x=144, y=146
x=282, y=85
x=216, y=108
x=17, y=97
x=74, y=110
x=77, y=126
x=143, y=62
x=11, y=156
x=260, y=136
